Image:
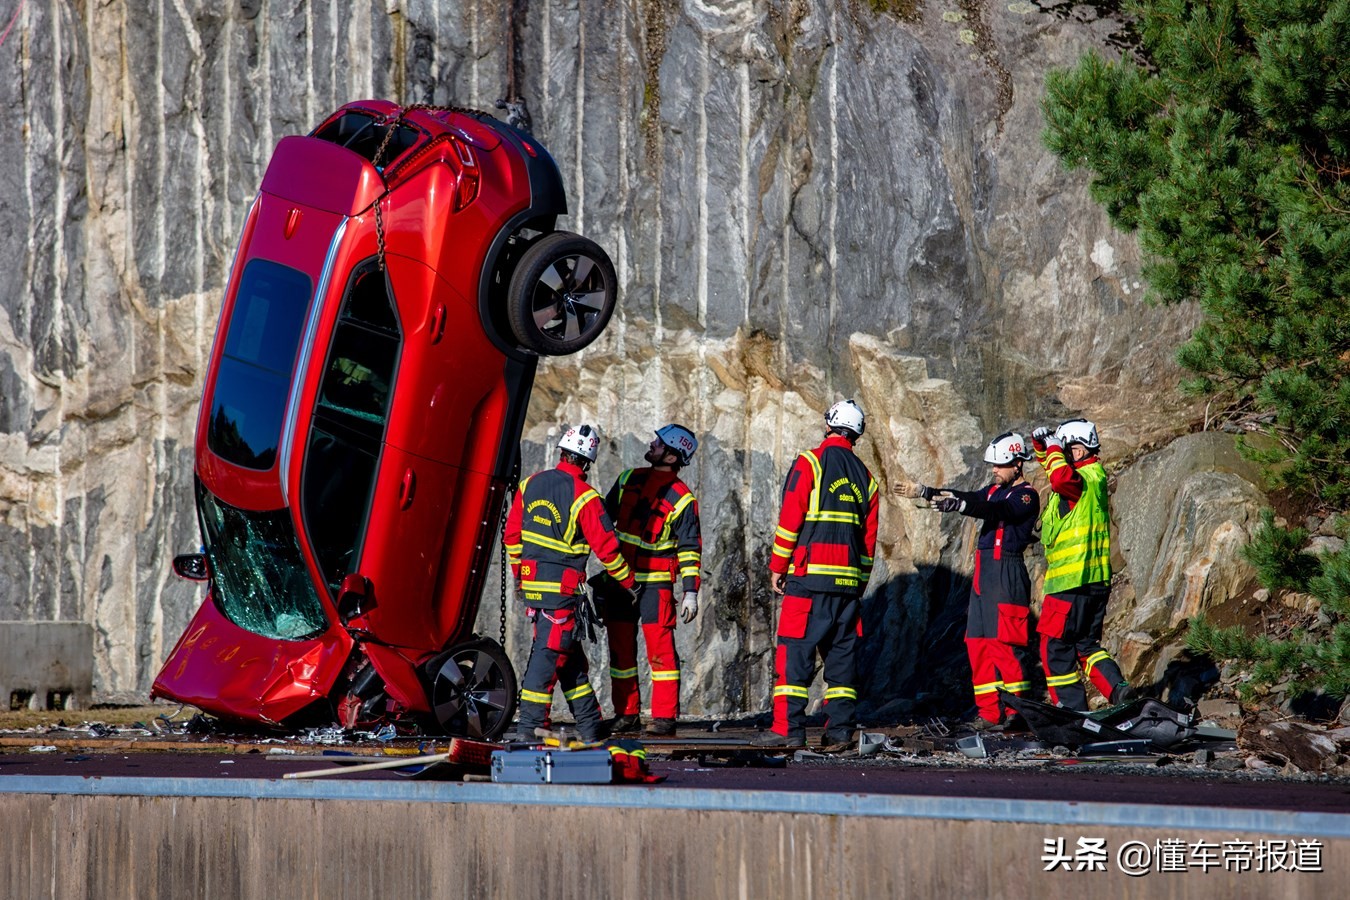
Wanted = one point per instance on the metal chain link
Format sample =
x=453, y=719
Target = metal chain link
x=505, y=509
x=384, y=145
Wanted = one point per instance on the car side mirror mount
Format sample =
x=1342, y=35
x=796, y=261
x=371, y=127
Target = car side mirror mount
x=352, y=596
x=191, y=566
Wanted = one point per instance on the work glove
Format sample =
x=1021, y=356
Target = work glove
x=1043, y=436
x=914, y=490
x=949, y=503
x=688, y=607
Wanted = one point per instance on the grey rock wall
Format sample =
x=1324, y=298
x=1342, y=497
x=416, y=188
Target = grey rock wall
x=805, y=200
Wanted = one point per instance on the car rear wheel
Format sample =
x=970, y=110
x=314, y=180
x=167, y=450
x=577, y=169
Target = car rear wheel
x=562, y=294
x=473, y=690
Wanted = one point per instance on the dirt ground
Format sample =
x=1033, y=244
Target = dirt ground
x=21, y=719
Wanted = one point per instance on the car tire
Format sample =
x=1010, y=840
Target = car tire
x=562, y=294
x=473, y=690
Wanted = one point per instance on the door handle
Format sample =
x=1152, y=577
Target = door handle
x=437, y=328
x=406, y=488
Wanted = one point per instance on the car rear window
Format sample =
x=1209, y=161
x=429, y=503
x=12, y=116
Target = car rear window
x=361, y=133
x=254, y=376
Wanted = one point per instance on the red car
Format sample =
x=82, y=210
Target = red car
x=398, y=275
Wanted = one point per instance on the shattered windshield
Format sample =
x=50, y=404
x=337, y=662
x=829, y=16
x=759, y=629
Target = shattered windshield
x=261, y=581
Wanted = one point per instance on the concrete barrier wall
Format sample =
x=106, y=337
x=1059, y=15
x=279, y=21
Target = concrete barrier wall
x=260, y=848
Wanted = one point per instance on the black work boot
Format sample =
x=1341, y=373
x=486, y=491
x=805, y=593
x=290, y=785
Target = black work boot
x=626, y=724
x=776, y=740
x=836, y=741
x=660, y=728
x=1122, y=693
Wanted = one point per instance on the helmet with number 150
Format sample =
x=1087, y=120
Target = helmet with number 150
x=680, y=440
x=847, y=415
x=1006, y=449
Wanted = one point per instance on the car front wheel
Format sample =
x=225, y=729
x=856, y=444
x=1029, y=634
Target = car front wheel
x=562, y=294
x=473, y=690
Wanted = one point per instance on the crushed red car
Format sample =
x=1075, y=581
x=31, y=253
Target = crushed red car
x=398, y=275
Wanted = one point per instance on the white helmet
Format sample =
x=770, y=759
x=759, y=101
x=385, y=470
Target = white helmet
x=583, y=440
x=846, y=414
x=1006, y=449
x=1078, y=431
x=680, y=440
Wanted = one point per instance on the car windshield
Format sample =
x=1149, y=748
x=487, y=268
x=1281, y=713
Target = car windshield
x=261, y=581
x=254, y=377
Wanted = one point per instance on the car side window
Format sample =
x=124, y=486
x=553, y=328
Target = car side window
x=343, y=449
x=254, y=376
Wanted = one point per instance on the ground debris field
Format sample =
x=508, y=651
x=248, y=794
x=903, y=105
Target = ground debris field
x=920, y=759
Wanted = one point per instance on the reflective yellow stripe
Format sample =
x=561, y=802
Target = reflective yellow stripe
x=867, y=562
x=551, y=586
x=540, y=540
x=618, y=568
x=841, y=693
x=813, y=502
x=690, y=572
x=785, y=534
x=1016, y=687
x=1061, y=680
x=844, y=517
x=1094, y=659
x=679, y=508
x=535, y=697
x=515, y=548
x=791, y=690
x=651, y=577
x=580, y=690
x=636, y=541
x=819, y=569
x=871, y=488
x=988, y=687
x=666, y=675
x=619, y=751
x=692, y=556
x=570, y=534
x=622, y=673
x=781, y=551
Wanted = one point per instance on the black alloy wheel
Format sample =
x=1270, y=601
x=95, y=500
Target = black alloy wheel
x=562, y=295
x=473, y=690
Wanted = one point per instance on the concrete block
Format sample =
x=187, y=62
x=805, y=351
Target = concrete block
x=46, y=663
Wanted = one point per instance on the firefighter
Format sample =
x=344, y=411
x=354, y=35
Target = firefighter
x=822, y=558
x=1076, y=532
x=1000, y=590
x=556, y=521
x=656, y=519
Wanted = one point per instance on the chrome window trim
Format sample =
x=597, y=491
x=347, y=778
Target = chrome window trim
x=303, y=358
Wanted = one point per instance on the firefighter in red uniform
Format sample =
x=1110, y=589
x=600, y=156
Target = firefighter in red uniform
x=1000, y=590
x=556, y=521
x=822, y=559
x=656, y=518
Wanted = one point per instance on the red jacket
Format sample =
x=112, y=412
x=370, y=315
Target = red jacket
x=827, y=530
x=556, y=521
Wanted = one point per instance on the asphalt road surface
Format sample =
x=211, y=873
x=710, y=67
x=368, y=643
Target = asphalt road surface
x=1067, y=780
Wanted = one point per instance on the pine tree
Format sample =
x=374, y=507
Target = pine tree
x=1225, y=146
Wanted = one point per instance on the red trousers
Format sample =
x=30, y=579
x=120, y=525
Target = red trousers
x=656, y=613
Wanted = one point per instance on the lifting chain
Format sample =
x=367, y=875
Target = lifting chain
x=505, y=509
x=384, y=145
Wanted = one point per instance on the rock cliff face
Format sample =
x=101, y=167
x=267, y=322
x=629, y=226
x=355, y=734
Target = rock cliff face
x=805, y=201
